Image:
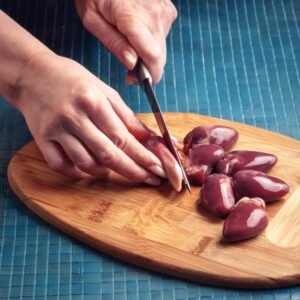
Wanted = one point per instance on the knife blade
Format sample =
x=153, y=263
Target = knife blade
x=145, y=81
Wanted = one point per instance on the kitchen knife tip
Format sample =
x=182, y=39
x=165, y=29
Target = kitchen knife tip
x=188, y=187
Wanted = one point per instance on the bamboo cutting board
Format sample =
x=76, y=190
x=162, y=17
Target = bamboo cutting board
x=160, y=229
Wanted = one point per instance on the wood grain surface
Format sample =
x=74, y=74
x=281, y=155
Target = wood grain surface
x=160, y=229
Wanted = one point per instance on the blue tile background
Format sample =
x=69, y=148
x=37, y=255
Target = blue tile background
x=238, y=60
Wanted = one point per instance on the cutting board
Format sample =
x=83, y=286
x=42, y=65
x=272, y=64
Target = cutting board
x=160, y=229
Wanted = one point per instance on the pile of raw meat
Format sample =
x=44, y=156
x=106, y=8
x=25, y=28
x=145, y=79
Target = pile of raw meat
x=234, y=185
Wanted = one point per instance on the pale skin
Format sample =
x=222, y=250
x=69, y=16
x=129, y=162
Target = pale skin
x=81, y=125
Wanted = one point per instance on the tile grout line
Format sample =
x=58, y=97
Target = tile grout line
x=213, y=59
x=192, y=56
x=183, y=61
x=26, y=217
x=294, y=58
x=233, y=62
x=13, y=254
x=294, y=15
x=174, y=70
x=290, y=39
x=276, y=67
x=223, y=62
x=243, y=59
x=15, y=212
x=25, y=254
x=3, y=232
x=202, y=58
x=255, y=65
x=63, y=31
x=265, y=65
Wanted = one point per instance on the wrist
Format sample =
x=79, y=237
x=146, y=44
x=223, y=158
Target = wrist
x=29, y=74
x=17, y=46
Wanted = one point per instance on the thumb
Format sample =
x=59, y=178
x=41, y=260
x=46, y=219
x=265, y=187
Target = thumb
x=149, y=45
x=113, y=40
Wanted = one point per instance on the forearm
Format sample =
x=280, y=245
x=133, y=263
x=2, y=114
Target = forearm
x=17, y=47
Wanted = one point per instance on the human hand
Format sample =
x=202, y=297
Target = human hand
x=81, y=125
x=131, y=29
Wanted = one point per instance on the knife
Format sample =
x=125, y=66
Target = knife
x=145, y=81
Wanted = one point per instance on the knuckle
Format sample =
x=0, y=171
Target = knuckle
x=106, y=158
x=154, y=56
x=44, y=130
x=69, y=121
x=173, y=11
x=87, y=19
x=134, y=124
x=133, y=28
x=85, y=165
x=86, y=98
x=132, y=119
x=156, y=11
x=66, y=118
x=84, y=93
x=116, y=44
x=119, y=139
x=157, y=77
x=114, y=95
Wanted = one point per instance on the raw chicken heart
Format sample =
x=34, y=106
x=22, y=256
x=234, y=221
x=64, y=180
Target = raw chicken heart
x=200, y=161
x=222, y=136
x=248, y=219
x=217, y=195
x=250, y=183
x=243, y=159
x=157, y=146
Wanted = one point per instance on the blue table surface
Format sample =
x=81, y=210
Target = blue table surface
x=237, y=60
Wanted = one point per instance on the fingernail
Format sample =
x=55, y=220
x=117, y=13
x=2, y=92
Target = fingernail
x=159, y=171
x=178, y=171
x=152, y=181
x=130, y=59
x=178, y=186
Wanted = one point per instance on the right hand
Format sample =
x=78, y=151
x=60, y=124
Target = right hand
x=131, y=29
x=80, y=124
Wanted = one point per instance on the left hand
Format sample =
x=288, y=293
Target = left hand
x=131, y=29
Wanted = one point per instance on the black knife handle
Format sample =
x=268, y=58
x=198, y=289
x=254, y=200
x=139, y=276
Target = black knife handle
x=142, y=73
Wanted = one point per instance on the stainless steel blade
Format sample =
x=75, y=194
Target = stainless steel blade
x=145, y=81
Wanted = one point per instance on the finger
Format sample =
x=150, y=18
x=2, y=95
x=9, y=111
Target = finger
x=113, y=127
x=138, y=152
x=169, y=15
x=171, y=166
x=81, y=158
x=111, y=38
x=110, y=156
x=163, y=46
x=131, y=78
x=58, y=161
x=147, y=45
x=127, y=116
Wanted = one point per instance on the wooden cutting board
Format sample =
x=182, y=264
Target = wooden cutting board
x=160, y=229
